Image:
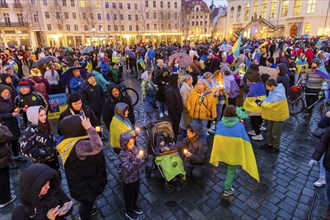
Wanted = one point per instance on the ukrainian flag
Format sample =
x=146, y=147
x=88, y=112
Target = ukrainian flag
x=318, y=44
x=323, y=73
x=257, y=90
x=300, y=64
x=232, y=146
x=237, y=46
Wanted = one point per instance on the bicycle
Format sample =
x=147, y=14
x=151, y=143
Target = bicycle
x=297, y=100
x=131, y=93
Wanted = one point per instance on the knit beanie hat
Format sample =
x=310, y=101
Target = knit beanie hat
x=23, y=84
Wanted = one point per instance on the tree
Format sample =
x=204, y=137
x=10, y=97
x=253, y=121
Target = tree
x=87, y=16
x=27, y=11
x=184, y=23
x=57, y=16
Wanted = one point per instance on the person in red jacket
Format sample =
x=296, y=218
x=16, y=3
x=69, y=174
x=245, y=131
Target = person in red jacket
x=309, y=54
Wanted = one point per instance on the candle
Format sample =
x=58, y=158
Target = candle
x=185, y=151
x=16, y=109
x=137, y=130
x=26, y=106
x=98, y=129
x=141, y=153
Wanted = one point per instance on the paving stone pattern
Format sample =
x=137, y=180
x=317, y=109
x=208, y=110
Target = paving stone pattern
x=286, y=189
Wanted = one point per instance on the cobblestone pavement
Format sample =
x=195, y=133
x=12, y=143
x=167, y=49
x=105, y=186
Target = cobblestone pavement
x=286, y=189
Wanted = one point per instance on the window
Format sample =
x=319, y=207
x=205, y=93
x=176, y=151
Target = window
x=169, y=4
x=82, y=4
x=137, y=27
x=198, y=17
x=175, y=5
x=33, y=2
x=263, y=8
x=162, y=15
x=45, y=2
x=154, y=4
x=121, y=17
x=192, y=23
x=273, y=8
x=297, y=7
x=108, y=16
x=109, y=27
x=148, y=27
x=74, y=15
x=116, y=27
x=307, y=29
x=176, y=15
x=135, y=7
x=129, y=17
x=231, y=16
x=57, y=15
x=85, y=28
x=66, y=15
x=147, y=4
x=100, y=28
x=68, y=27
x=130, y=28
x=246, y=12
x=49, y=27
x=169, y=26
x=84, y=15
x=72, y=3
x=255, y=10
x=122, y=28
x=120, y=6
x=201, y=23
x=20, y=18
x=155, y=16
x=99, y=17
x=128, y=6
x=311, y=6
x=46, y=14
x=205, y=23
x=155, y=26
x=136, y=17
x=35, y=17
x=239, y=9
x=114, y=16
x=113, y=4
x=92, y=16
x=106, y=4
x=285, y=6
x=161, y=4
x=97, y=4
x=147, y=15
x=76, y=27
x=56, y=2
x=64, y=2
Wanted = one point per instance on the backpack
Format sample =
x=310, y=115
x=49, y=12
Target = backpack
x=234, y=90
x=40, y=87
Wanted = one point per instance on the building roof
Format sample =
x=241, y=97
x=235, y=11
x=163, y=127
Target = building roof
x=190, y=4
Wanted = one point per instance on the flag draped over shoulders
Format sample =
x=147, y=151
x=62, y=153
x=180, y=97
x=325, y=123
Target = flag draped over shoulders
x=232, y=146
x=257, y=90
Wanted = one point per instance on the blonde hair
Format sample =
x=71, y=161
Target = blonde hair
x=207, y=75
x=35, y=72
x=185, y=78
x=204, y=82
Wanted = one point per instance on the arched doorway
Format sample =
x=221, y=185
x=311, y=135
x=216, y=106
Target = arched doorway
x=293, y=30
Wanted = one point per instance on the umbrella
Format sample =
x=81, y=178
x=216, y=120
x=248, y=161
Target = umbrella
x=130, y=54
x=88, y=49
x=140, y=50
x=43, y=60
x=183, y=58
x=247, y=48
x=67, y=75
x=171, y=48
x=256, y=44
x=225, y=47
x=11, y=45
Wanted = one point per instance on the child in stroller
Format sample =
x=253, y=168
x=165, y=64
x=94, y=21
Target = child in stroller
x=163, y=143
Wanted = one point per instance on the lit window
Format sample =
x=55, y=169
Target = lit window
x=285, y=6
x=263, y=8
x=311, y=6
x=239, y=9
x=82, y=4
x=297, y=7
x=246, y=12
x=308, y=26
x=255, y=10
x=273, y=8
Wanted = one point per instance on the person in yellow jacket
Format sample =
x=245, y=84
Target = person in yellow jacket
x=201, y=105
x=275, y=109
x=120, y=123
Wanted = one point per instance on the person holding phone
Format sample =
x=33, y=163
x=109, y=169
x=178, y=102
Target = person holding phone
x=41, y=195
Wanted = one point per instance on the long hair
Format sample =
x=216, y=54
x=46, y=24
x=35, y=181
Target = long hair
x=44, y=127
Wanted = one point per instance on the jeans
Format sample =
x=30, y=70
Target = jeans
x=327, y=186
x=204, y=126
x=151, y=61
x=322, y=169
x=230, y=174
x=5, y=195
x=219, y=112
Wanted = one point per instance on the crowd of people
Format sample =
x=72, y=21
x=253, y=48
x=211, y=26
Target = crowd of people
x=211, y=94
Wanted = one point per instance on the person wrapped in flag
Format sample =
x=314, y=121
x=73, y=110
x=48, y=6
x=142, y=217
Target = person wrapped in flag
x=275, y=109
x=301, y=65
x=257, y=89
x=231, y=145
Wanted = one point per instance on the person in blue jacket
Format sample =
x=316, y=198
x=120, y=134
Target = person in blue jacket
x=76, y=82
x=151, y=58
x=104, y=67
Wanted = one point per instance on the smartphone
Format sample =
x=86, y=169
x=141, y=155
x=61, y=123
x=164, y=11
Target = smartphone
x=65, y=208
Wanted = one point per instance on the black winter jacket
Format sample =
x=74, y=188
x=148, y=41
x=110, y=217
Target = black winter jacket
x=6, y=117
x=5, y=152
x=93, y=96
x=174, y=99
x=323, y=148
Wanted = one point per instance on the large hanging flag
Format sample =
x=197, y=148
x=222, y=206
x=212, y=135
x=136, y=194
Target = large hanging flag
x=232, y=146
x=237, y=46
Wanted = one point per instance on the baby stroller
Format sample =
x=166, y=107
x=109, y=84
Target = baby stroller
x=166, y=165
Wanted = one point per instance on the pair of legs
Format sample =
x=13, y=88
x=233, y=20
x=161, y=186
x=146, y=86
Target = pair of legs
x=131, y=193
x=256, y=121
x=5, y=194
x=195, y=172
x=86, y=210
x=274, y=131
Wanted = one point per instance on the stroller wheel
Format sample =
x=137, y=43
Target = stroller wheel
x=168, y=187
x=148, y=171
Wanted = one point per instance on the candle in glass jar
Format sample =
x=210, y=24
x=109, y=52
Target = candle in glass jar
x=185, y=151
x=137, y=130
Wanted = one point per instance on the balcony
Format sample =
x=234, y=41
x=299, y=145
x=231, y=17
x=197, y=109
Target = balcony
x=3, y=5
x=13, y=24
x=17, y=5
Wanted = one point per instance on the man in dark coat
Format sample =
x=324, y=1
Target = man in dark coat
x=109, y=107
x=283, y=76
x=92, y=95
x=194, y=73
x=76, y=107
x=161, y=81
x=174, y=102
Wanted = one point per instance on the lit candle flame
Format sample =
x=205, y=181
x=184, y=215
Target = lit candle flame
x=141, y=153
x=185, y=151
x=97, y=128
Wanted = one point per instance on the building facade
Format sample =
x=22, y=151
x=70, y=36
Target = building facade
x=275, y=18
x=86, y=22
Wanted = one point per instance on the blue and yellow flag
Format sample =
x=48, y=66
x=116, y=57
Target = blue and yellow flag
x=318, y=44
x=232, y=146
x=257, y=90
x=237, y=46
x=323, y=73
x=300, y=64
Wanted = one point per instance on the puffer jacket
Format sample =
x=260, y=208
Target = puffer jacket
x=6, y=117
x=283, y=76
x=5, y=152
x=202, y=106
x=130, y=164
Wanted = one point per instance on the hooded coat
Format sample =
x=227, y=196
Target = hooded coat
x=104, y=66
x=3, y=77
x=36, y=144
x=5, y=151
x=130, y=164
x=109, y=106
x=119, y=125
x=283, y=76
x=100, y=80
x=185, y=90
x=93, y=96
x=31, y=181
x=161, y=82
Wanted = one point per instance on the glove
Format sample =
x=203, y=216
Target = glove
x=312, y=162
x=258, y=102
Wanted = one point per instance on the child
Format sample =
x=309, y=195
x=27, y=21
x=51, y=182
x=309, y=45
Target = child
x=148, y=96
x=163, y=144
x=131, y=160
x=230, y=132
